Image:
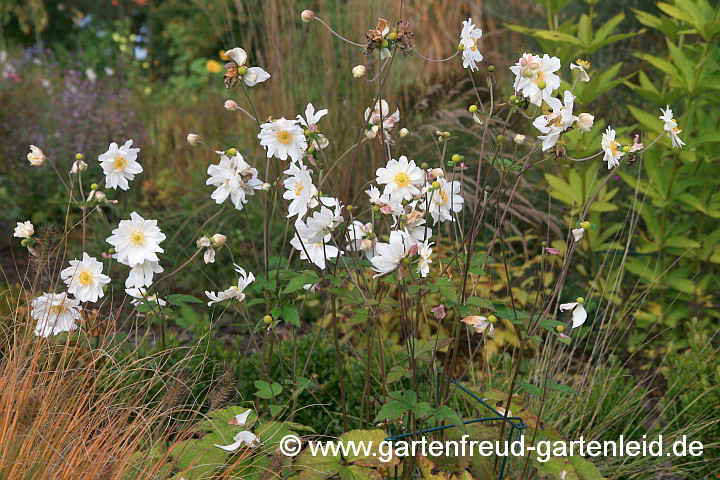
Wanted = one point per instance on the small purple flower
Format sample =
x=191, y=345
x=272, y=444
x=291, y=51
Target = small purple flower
x=552, y=251
x=439, y=311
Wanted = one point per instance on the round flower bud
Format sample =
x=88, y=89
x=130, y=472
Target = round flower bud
x=193, y=139
x=375, y=208
x=358, y=71
x=580, y=300
x=218, y=240
x=455, y=157
x=519, y=139
x=267, y=319
x=112, y=251
x=231, y=105
x=500, y=138
x=384, y=44
x=24, y=242
x=94, y=186
x=450, y=163
x=491, y=68
x=586, y=225
x=492, y=319
x=472, y=109
x=232, y=151
x=311, y=150
x=626, y=148
x=513, y=98
x=307, y=16
x=436, y=184
x=541, y=84
x=544, y=243
x=424, y=166
x=242, y=71
x=437, y=173
x=461, y=46
x=79, y=156
x=404, y=132
x=392, y=35
x=100, y=197
x=560, y=328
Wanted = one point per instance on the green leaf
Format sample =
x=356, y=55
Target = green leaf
x=181, y=299
x=290, y=315
x=266, y=390
x=397, y=373
x=392, y=410
x=299, y=282
x=530, y=388
x=559, y=387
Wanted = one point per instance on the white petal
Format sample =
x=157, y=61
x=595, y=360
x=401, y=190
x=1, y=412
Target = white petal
x=579, y=316
x=567, y=306
x=240, y=419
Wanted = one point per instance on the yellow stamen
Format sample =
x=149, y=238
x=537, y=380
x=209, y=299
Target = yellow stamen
x=58, y=309
x=137, y=238
x=85, y=278
x=283, y=136
x=402, y=180
x=298, y=189
x=120, y=163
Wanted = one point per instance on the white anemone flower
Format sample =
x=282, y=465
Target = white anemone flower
x=400, y=178
x=84, y=278
x=469, y=36
x=554, y=124
x=579, y=315
x=581, y=66
x=425, y=252
x=532, y=73
x=361, y=238
x=310, y=122
x=141, y=275
x=235, y=292
x=243, y=438
x=140, y=297
x=479, y=324
x=387, y=205
x=55, y=313
x=299, y=189
x=24, y=230
x=445, y=200
x=120, y=165
x=671, y=127
x=313, y=246
x=137, y=240
x=252, y=75
x=36, y=157
x=380, y=115
x=613, y=150
x=324, y=220
x=389, y=255
x=234, y=178
x=283, y=138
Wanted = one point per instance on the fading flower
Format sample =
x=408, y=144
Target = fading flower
x=36, y=157
x=613, y=150
x=55, y=313
x=579, y=315
x=24, y=230
x=671, y=127
x=469, y=36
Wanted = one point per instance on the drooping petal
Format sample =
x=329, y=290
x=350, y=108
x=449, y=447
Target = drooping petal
x=579, y=315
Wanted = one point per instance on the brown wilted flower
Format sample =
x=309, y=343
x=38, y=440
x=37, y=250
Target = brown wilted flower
x=405, y=37
x=375, y=36
x=231, y=76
